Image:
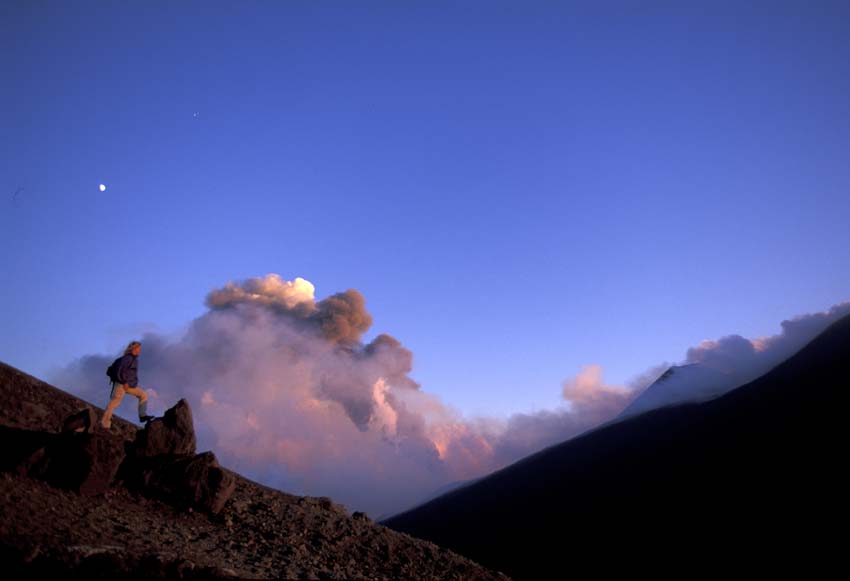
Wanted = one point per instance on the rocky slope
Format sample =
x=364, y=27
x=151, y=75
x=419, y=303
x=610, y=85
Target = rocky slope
x=130, y=530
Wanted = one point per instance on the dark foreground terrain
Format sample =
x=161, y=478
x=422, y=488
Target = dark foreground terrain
x=129, y=531
x=754, y=480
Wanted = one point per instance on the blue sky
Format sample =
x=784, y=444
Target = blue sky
x=519, y=189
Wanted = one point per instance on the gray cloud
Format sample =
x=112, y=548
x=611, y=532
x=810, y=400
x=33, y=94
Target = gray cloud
x=341, y=318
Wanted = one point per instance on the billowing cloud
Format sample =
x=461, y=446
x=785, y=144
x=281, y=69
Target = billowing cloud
x=724, y=355
x=587, y=390
x=590, y=402
x=270, y=291
x=286, y=391
x=394, y=360
x=341, y=318
x=747, y=359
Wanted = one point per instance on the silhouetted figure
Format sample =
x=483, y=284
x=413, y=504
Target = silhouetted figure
x=126, y=380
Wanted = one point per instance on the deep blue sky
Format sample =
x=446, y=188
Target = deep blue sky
x=518, y=188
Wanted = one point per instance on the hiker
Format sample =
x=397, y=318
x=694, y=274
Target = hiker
x=126, y=380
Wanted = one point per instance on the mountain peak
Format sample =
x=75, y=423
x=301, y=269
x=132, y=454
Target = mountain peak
x=690, y=382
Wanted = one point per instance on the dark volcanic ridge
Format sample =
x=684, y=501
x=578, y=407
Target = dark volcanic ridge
x=752, y=479
x=175, y=514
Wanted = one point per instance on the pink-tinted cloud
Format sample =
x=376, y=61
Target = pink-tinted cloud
x=284, y=390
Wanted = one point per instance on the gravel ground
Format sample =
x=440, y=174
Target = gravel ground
x=261, y=533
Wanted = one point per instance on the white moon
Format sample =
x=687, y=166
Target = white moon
x=102, y=188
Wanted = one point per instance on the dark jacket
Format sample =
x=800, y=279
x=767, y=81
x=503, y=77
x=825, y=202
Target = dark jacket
x=128, y=370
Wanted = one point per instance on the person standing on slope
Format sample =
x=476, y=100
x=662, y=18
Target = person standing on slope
x=126, y=380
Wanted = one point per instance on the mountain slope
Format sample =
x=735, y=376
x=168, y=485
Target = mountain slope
x=260, y=533
x=681, y=384
x=753, y=475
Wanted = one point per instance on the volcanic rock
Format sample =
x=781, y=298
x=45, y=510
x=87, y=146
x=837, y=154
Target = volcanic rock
x=83, y=463
x=195, y=481
x=174, y=433
x=83, y=421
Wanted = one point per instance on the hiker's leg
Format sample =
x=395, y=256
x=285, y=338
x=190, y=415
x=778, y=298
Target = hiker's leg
x=143, y=400
x=116, y=396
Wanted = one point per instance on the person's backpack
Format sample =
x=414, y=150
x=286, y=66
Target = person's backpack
x=112, y=370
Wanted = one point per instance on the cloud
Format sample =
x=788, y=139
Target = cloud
x=270, y=291
x=724, y=355
x=588, y=391
x=715, y=367
x=746, y=359
x=286, y=391
x=341, y=318
x=591, y=402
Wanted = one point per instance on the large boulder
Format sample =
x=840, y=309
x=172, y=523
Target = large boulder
x=74, y=460
x=206, y=484
x=197, y=481
x=80, y=462
x=163, y=464
x=173, y=433
x=17, y=446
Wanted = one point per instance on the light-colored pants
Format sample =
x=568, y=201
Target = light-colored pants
x=118, y=391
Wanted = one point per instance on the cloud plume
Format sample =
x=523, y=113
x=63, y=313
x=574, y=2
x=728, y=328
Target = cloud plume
x=285, y=390
x=341, y=318
x=747, y=359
